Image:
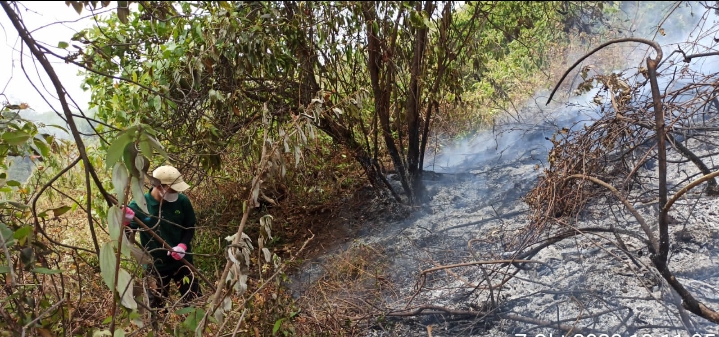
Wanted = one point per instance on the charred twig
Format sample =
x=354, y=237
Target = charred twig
x=474, y=263
x=645, y=227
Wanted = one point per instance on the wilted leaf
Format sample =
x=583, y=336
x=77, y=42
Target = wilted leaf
x=140, y=163
x=266, y=226
x=124, y=288
x=114, y=222
x=107, y=264
x=44, y=332
x=120, y=178
x=77, y=5
x=138, y=254
x=100, y=333
x=302, y=135
x=268, y=255
x=122, y=14
x=221, y=310
x=256, y=191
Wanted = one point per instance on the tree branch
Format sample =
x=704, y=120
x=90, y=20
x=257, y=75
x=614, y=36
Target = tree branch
x=645, y=227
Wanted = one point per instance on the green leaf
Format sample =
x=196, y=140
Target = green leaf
x=16, y=137
x=117, y=148
x=60, y=210
x=27, y=256
x=4, y=269
x=136, y=319
x=128, y=157
x=62, y=44
x=107, y=264
x=57, y=126
x=277, y=326
x=145, y=146
x=184, y=311
x=137, y=194
x=114, y=222
x=156, y=103
x=124, y=289
x=42, y=146
x=120, y=179
x=18, y=205
x=157, y=146
x=7, y=235
x=42, y=270
x=22, y=232
x=13, y=183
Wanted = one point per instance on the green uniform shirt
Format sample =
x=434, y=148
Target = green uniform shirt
x=177, y=223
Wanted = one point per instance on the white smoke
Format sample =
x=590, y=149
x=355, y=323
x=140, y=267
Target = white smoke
x=689, y=28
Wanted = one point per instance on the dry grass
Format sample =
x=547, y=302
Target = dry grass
x=352, y=290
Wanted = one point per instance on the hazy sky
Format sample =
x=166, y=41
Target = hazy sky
x=14, y=84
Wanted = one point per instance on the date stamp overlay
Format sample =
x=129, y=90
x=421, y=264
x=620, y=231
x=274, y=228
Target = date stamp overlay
x=618, y=335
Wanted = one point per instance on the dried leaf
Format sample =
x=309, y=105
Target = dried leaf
x=267, y=254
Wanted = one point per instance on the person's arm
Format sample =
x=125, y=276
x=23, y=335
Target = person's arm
x=189, y=224
x=188, y=232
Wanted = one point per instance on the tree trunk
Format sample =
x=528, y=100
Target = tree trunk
x=413, y=150
x=381, y=88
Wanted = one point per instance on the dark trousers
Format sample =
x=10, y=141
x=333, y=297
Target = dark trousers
x=189, y=289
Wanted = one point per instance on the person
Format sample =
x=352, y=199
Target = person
x=172, y=217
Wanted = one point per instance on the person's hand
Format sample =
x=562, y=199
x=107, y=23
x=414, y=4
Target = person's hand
x=178, y=252
x=129, y=215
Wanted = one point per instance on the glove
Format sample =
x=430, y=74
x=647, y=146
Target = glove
x=178, y=252
x=129, y=215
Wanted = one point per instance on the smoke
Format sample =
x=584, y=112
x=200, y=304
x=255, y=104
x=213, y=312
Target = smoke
x=687, y=27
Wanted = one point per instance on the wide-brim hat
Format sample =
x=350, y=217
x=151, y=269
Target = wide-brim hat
x=168, y=175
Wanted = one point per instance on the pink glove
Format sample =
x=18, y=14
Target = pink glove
x=129, y=215
x=178, y=252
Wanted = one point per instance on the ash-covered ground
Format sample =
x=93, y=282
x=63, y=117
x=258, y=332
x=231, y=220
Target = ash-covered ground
x=473, y=211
